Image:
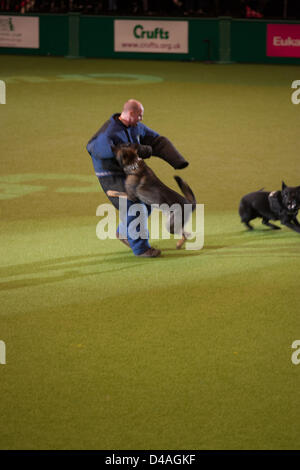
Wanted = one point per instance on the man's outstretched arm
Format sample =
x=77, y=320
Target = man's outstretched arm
x=163, y=148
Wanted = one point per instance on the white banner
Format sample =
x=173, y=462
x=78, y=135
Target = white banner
x=151, y=36
x=19, y=31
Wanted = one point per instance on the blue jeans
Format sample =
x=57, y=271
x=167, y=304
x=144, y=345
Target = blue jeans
x=140, y=244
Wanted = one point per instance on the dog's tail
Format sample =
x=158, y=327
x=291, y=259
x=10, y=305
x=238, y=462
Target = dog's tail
x=188, y=193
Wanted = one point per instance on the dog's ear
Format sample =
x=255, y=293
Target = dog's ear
x=135, y=147
x=114, y=149
x=283, y=185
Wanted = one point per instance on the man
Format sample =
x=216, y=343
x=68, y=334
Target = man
x=127, y=128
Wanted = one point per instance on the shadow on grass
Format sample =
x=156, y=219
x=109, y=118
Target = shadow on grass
x=124, y=260
x=245, y=242
x=66, y=275
x=72, y=268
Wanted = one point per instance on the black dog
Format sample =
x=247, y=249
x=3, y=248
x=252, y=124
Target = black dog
x=278, y=205
x=142, y=184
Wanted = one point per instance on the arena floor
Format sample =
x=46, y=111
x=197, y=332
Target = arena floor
x=108, y=351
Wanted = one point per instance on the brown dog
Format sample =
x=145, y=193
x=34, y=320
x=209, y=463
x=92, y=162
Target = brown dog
x=143, y=185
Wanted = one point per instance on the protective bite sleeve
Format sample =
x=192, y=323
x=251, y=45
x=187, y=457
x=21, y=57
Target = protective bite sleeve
x=163, y=148
x=144, y=151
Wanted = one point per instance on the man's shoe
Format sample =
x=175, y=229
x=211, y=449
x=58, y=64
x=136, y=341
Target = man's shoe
x=123, y=240
x=150, y=253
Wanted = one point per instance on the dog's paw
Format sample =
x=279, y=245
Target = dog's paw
x=181, y=242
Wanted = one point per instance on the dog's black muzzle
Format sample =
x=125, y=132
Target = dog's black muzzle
x=292, y=206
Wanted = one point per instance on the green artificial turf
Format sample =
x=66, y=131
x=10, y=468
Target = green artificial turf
x=108, y=351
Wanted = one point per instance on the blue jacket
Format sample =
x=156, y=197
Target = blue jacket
x=114, y=132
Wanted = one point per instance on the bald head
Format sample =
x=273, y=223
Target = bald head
x=132, y=105
x=132, y=113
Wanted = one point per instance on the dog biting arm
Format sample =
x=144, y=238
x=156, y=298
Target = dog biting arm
x=144, y=151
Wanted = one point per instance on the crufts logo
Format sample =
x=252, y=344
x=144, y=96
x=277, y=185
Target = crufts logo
x=2, y=352
x=2, y=92
x=159, y=33
x=296, y=94
x=295, y=356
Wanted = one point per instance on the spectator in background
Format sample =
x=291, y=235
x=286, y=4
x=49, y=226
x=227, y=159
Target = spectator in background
x=252, y=8
x=275, y=9
x=235, y=8
x=198, y=7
